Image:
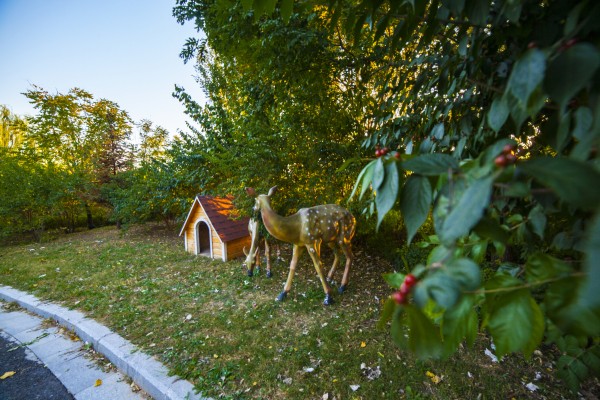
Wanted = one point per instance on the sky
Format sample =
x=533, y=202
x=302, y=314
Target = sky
x=125, y=51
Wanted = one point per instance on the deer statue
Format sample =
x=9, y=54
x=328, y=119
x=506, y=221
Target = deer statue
x=253, y=256
x=309, y=228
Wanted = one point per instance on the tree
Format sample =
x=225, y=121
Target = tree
x=83, y=139
x=275, y=116
x=490, y=110
x=11, y=129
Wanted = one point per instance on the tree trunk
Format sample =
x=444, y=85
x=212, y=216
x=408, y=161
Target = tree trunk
x=88, y=213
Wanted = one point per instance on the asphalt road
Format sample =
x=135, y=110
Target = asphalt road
x=32, y=380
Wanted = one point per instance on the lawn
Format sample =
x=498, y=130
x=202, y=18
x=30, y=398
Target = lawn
x=223, y=331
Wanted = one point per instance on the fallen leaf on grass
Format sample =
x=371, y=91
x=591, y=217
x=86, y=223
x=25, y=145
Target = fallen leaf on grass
x=354, y=387
x=98, y=382
x=7, y=374
x=434, y=378
x=363, y=344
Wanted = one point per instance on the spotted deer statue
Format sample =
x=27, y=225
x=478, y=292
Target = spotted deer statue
x=309, y=228
x=253, y=256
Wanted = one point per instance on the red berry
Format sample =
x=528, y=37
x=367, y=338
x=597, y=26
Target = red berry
x=511, y=158
x=508, y=149
x=397, y=155
x=385, y=150
x=398, y=297
x=404, y=289
x=501, y=161
x=410, y=280
x=377, y=153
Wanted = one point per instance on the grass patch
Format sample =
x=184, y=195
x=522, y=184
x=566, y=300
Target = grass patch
x=223, y=331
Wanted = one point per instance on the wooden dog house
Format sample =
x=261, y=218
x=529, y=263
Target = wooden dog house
x=212, y=229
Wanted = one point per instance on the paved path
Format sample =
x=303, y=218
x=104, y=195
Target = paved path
x=28, y=371
x=64, y=356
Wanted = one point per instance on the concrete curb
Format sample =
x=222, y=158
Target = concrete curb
x=144, y=370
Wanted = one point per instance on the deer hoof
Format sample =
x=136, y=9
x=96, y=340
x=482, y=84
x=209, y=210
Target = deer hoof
x=269, y=274
x=342, y=289
x=282, y=296
x=250, y=272
x=328, y=300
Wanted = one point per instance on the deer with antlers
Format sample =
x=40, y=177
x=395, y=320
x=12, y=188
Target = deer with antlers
x=309, y=228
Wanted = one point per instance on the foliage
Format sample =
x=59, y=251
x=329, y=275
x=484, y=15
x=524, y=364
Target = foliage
x=493, y=108
x=275, y=116
x=58, y=160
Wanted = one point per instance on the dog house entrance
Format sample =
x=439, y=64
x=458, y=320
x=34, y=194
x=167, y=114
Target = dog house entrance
x=203, y=238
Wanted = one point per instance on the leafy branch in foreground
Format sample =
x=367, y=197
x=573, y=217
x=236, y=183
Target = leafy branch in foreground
x=499, y=131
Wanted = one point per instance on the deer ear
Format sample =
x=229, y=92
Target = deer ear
x=251, y=192
x=272, y=191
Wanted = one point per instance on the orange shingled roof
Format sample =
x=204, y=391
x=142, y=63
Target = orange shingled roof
x=224, y=217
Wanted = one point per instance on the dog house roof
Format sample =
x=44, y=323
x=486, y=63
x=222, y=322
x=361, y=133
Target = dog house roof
x=222, y=216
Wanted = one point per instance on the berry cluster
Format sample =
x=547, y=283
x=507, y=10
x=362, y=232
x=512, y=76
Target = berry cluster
x=401, y=296
x=508, y=156
x=381, y=152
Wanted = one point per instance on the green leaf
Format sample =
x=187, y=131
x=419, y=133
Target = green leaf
x=431, y=164
x=386, y=313
x=540, y=267
x=573, y=181
x=526, y=75
x=537, y=219
x=590, y=296
x=512, y=317
x=424, y=339
x=439, y=254
x=570, y=72
x=378, y=173
x=394, y=279
x=466, y=273
x=478, y=12
x=388, y=191
x=247, y=4
x=566, y=373
x=441, y=288
x=591, y=360
x=584, y=120
x=438, y=131
x=397, y=329
x=415, y=201
x=490, y=228
x=460, y=322
x=364, y=179
x=287, y=7
x=498, y=113
x=467, y=212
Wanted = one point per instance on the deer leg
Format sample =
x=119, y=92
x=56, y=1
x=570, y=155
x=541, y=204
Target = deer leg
x=336, y=261
x=268, y=257
x=288, y=284
x=347, y=248
x=315, y=254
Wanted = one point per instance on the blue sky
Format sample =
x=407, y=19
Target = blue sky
x=126, y=51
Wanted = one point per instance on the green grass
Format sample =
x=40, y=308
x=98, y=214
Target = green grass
x=239, y=342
